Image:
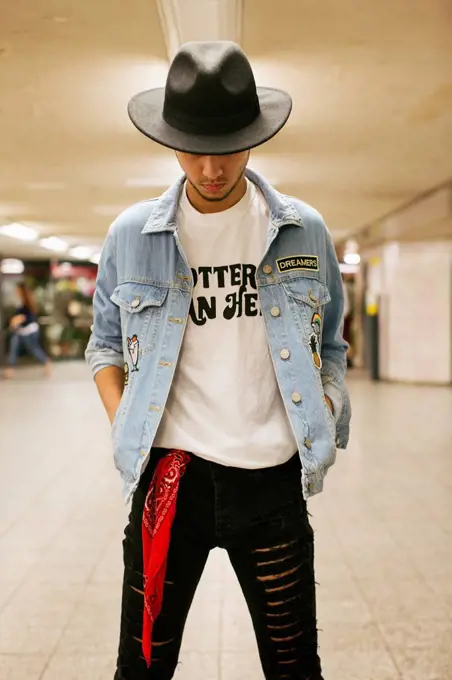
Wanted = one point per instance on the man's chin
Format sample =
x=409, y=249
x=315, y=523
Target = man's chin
x=214, y=197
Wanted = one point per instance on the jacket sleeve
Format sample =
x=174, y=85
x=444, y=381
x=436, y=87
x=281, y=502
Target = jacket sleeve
x=105, y=345
x=334, y=348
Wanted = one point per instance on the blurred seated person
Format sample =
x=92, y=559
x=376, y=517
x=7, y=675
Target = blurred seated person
x=25, y=332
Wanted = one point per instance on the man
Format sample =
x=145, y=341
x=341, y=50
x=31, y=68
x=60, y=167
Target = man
x=218, y=355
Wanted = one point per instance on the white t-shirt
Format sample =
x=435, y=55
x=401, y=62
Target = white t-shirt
x=224, y=404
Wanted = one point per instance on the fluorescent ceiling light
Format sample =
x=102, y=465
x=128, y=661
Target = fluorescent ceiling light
x=348, y=268
x=352, y=258
x=11, y=266
x=81, y=253
x=184, y=21
x=54, y=243
x=351, y=252
x=19, y=231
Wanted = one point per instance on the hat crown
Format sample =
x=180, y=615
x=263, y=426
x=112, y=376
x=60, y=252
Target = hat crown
x=210, y=89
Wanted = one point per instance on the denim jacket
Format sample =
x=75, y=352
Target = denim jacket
x=142, y=303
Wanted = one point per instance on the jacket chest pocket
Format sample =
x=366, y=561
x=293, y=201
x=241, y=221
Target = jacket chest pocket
x=141, y=308
x=307, y=299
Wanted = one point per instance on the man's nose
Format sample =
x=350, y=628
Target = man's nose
x=212, y=167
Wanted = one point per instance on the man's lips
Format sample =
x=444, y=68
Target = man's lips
x=212, y=188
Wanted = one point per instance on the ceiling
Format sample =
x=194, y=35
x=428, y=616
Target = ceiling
x=371, y=126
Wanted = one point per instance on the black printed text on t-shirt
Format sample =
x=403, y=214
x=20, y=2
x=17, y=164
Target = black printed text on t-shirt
x=242, y=302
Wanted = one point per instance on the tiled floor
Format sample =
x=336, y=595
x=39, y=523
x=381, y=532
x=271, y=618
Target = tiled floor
x=383, y=530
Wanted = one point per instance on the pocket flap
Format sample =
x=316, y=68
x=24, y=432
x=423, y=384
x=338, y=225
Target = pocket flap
x=134, y=297
x=309, y=291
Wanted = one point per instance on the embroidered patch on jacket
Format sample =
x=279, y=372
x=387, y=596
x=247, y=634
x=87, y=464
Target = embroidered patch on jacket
x=314, y=339
x=133, y=346
x=316, y=323
x=298, y=263
x=126, y=375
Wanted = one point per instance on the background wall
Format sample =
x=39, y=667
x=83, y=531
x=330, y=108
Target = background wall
x=416, y=312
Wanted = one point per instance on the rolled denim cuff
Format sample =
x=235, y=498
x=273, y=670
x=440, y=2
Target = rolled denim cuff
x=98, y=359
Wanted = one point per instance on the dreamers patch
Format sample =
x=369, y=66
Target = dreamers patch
x=298, y=263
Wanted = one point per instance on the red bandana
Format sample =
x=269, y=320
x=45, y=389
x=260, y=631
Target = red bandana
x=158, y=515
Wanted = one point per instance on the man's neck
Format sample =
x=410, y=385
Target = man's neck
x=204, y=206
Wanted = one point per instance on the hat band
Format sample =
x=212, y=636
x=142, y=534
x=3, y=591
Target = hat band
x=211, y=125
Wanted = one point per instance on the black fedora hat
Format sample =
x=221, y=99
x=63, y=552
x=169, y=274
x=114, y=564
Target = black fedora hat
x=210, y=105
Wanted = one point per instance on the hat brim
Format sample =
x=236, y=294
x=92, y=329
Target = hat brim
x=145, y=112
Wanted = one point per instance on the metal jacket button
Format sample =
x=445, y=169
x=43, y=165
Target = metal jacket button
x=267, y=269
x=275, y=311
x=296, y=397
x=308, y=444
x=284, y=354
x=135, y=303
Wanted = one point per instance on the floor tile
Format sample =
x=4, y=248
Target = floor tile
x=7, y=588
x=196, y=665
x=420, y=647
x=241, y=666
x=22, y=666
x=360, y=665
x=341, y=602
x=84, y=665
x=400, y=599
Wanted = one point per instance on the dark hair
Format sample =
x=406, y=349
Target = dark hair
x=28, y=298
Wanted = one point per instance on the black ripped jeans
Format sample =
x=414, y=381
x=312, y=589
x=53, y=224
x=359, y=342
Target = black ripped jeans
x=260, y=518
